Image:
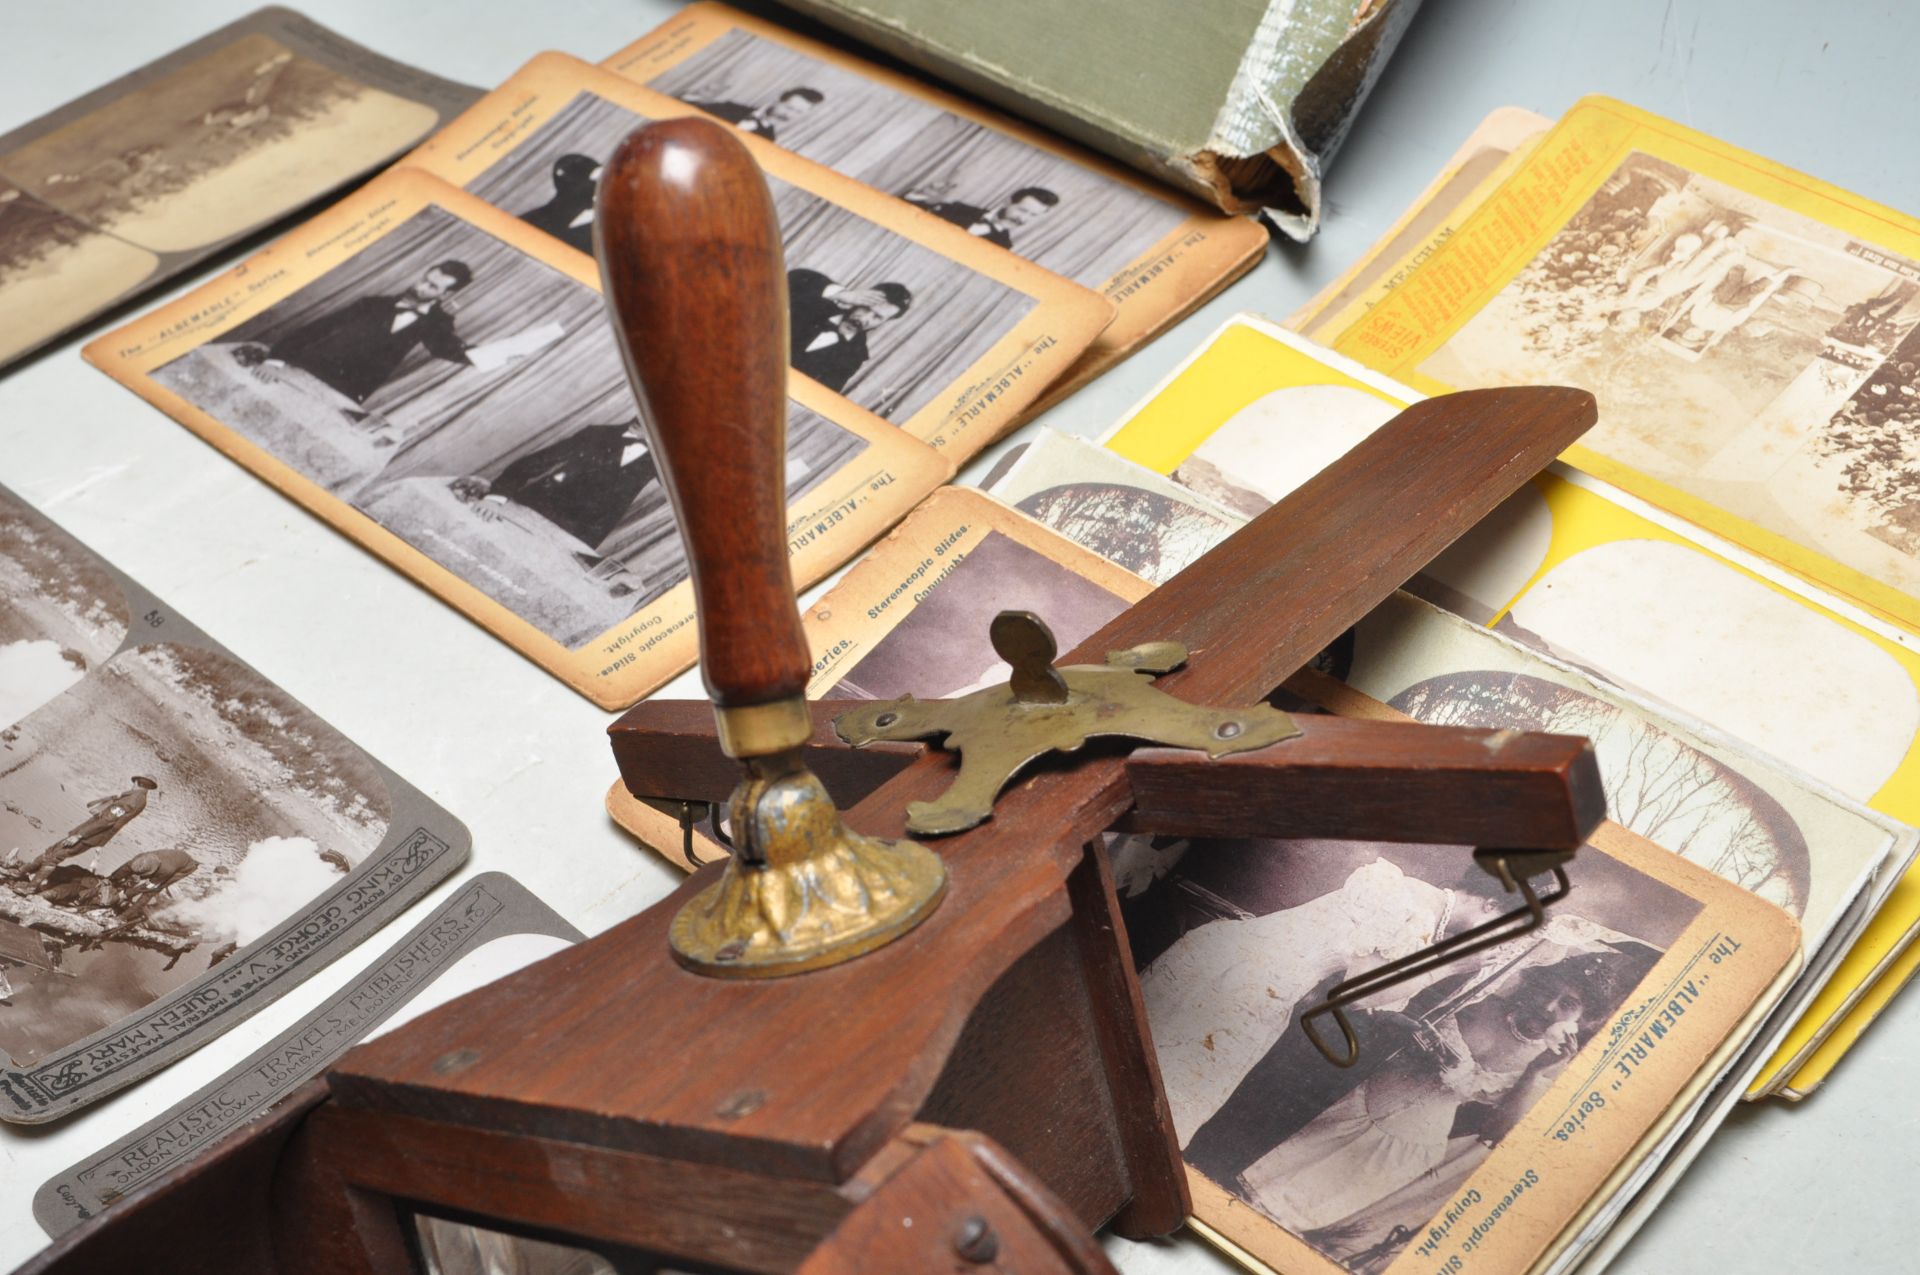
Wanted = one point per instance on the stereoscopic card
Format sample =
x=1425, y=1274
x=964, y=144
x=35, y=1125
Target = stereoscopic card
x=439, y=380
x=1153, y=252
x=903, y=314
x=489, y=927
x=183, y=841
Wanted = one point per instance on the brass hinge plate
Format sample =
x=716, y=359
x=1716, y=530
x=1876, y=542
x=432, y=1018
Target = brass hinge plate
x=1043, y=709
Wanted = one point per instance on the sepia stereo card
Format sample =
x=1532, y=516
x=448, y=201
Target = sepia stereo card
x=181, y=841
x=128, y=186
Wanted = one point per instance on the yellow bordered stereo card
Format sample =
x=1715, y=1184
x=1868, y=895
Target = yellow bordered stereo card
x=1482, y=162
x=1585, y=573
x=1813, y=1062
x=908, y=317
x=439, y=381
x=1153, y=252
x=1752, y=335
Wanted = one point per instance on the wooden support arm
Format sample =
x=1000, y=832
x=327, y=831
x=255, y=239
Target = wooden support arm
x=1347, y=779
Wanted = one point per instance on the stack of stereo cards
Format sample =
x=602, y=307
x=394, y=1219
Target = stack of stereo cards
x=428, y=365
x=1753, y=337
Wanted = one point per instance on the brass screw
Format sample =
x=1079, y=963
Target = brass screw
x=886, y=719
x=458, y=1060
x=1227, y=730
x=744, y=1103
x=975, y=1241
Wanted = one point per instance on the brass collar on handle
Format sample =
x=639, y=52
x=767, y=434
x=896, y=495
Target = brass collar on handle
x=802, y=890
x=762, y=730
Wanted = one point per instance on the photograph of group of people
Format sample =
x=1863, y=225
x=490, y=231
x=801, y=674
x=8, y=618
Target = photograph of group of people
x=228, y=141
x=1874, y=441
x=1739, y=349
x=157, y=816
x=470, y=399
x=198, y=155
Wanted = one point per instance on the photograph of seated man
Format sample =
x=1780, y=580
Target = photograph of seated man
x=342, y=356
x=998, y=185
x=584, y=485
x=851, y=280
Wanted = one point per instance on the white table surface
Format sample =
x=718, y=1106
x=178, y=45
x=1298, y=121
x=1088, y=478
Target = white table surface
x=1826, y=88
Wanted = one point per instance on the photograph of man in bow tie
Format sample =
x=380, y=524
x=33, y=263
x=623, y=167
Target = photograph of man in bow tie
x=568, y=215
x=1083, y=222
x=829, y=322
x=357, y=348
x=767, y=119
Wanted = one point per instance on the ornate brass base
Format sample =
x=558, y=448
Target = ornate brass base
x=802, y=891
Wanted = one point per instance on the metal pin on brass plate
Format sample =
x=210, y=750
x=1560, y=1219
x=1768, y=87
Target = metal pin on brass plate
x=1044, y=709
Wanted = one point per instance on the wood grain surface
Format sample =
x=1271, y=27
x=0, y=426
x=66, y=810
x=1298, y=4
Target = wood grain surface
x=960, y=1219
x=1379, y=781
x=1365, y=780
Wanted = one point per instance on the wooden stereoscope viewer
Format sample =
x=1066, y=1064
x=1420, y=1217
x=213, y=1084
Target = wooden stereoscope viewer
x=840, y=1052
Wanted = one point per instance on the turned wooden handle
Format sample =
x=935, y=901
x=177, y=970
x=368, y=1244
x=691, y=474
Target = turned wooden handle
x=689, y=252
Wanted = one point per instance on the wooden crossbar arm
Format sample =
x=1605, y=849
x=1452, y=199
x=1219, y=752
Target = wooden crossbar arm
x=1340, y=779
